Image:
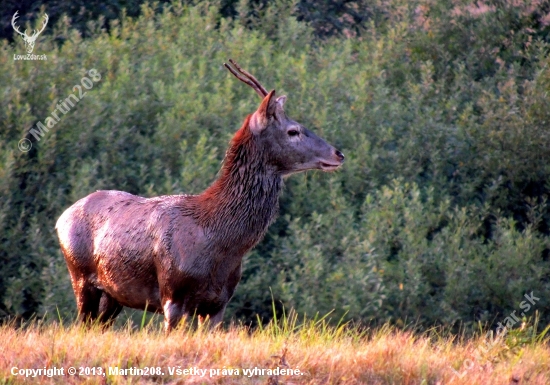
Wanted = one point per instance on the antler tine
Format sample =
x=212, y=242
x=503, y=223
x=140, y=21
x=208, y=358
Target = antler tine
x=45, y=22
x=16, y=29
x=246, y=77
x=250, y=76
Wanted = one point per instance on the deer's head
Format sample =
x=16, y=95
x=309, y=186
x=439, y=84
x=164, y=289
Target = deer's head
x=29, y=40
x=287, y=145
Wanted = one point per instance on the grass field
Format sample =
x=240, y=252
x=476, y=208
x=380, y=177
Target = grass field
x=312, y=352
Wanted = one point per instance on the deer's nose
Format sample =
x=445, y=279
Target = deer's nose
x=339, y=155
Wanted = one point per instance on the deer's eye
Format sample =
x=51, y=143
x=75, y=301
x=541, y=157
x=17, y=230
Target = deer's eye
x=293, y=132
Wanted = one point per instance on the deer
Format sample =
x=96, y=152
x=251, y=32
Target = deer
x=181, y=255
x=29, y=40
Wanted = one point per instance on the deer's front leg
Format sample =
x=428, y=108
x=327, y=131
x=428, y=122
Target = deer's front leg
x=173, y=314
x=212, y=321
x=215, y=319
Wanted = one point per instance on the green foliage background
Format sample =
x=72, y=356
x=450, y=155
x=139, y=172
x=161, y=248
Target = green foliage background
x=439, y=215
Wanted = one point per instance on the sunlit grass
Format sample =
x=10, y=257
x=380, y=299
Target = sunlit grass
x=340, y=354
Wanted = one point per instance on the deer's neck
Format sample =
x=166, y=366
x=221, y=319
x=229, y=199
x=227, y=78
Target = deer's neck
x=238, y=207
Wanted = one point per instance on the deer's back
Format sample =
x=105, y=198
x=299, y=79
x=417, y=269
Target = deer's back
x=129, y=245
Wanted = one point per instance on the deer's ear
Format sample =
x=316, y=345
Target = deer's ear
x=281, y=102
x=264, y=113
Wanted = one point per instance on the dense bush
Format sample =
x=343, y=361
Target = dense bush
x=327, y=18
x=438, y=216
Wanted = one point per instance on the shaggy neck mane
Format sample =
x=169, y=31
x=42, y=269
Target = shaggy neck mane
x=240, y=205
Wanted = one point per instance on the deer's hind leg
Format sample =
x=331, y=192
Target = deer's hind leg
x=109, y=308
x=95, y=305
x=88, y=298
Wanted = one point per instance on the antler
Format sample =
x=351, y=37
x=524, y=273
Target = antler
x=246, y=77
x=46, y=18
x=15, y=27
x=35, y=34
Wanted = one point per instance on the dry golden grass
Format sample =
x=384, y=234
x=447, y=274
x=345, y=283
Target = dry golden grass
x=323, y=355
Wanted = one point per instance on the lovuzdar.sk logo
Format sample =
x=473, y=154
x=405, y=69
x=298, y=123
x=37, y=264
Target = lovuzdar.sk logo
x=29, y=40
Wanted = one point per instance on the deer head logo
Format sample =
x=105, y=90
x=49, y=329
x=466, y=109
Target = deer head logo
x=29, y=40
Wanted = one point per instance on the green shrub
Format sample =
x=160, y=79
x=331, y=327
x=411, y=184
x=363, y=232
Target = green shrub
x=438, y=216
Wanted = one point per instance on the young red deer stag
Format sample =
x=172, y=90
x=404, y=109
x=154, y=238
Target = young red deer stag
x=181, y=254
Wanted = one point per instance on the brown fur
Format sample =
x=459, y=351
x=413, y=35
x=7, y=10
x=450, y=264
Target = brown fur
x=181, y=254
